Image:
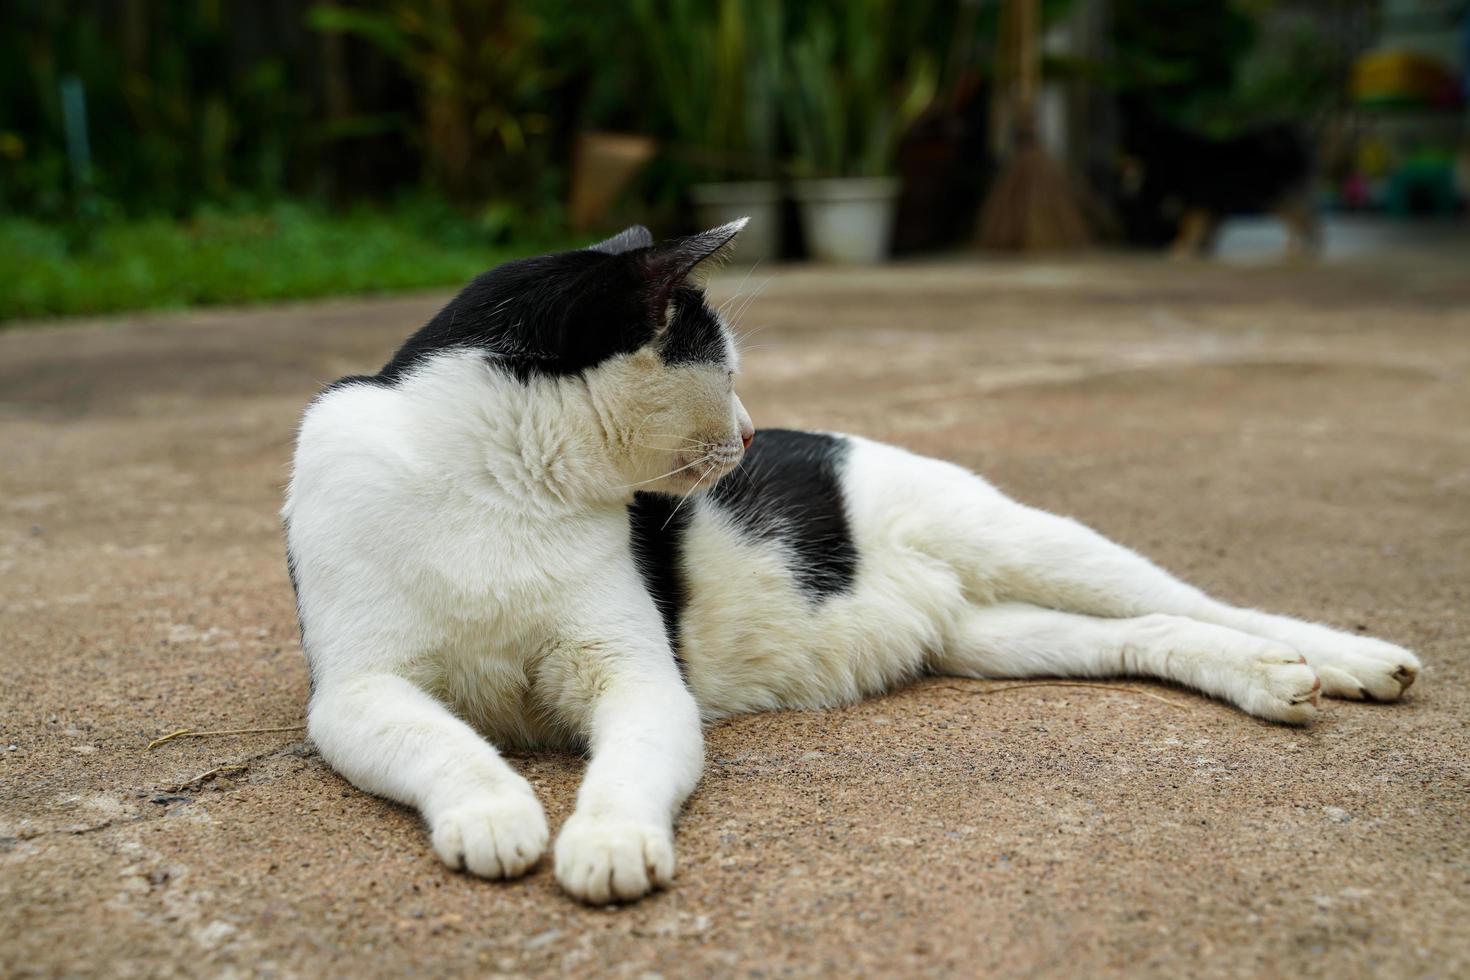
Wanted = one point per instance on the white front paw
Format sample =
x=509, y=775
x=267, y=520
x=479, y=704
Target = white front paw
x=494, y=836
x=611, y=860
x=1281, y=686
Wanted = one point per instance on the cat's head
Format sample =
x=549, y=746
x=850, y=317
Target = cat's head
x=624, y=326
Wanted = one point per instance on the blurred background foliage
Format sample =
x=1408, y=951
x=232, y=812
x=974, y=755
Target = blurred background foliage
x=852, y=89
x=1216, y=70
x=239, y=149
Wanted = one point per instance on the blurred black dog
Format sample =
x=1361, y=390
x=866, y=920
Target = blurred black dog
x=1174, y=187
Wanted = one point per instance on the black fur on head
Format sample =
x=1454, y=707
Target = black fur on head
x=560, y=314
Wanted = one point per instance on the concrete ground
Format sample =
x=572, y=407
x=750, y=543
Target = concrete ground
x=1292, y=439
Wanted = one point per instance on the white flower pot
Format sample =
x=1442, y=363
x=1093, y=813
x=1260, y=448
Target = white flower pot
x=758, y=200
x=848, y=219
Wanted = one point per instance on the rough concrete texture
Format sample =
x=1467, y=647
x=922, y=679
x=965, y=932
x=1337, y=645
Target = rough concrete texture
x=1293, y=439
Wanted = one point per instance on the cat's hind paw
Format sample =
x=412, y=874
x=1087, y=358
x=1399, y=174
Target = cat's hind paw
x=608, y=860
x=1365, y=669
x=500, y=836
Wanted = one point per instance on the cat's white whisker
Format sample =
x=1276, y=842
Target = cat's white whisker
x=684, y=500
x=754, y=295
x=738, y=289
x=663, y=476
x=743, y=335
x=685, y=439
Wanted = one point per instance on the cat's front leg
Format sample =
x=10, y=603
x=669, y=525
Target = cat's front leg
x=647, y=750
x=388, y=737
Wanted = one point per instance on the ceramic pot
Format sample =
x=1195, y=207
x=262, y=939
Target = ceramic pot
x=848, y=219
x=758, y=200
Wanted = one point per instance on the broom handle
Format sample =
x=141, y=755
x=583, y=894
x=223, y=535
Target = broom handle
x=1028, y=56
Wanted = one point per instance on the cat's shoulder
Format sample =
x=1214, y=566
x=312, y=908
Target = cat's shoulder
x=355, y=419
x=347, y=400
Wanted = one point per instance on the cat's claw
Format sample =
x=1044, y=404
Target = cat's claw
x=601, y=861
x=499, y=836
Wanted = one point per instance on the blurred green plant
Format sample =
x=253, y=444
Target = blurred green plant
x=482, y=74
x=715, y=71
x=206, y=102
x=1218, y=67
x=173, y=118
x=859, y=74
x=1294, y=71
x=218, y=256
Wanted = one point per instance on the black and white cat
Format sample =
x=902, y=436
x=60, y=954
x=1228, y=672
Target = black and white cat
x=499, y=538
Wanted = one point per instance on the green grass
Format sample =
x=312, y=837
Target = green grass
x=288, y=252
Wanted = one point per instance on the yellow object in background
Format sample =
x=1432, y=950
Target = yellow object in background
x=1401, y=77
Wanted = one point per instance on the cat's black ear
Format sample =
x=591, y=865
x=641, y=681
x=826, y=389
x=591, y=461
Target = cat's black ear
x=672, y=262
x=624, y=241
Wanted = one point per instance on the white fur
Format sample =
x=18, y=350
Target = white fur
x=461, y=546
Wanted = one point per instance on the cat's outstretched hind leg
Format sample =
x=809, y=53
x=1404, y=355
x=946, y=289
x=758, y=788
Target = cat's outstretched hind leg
x=1054, y=561
x=1262, y=677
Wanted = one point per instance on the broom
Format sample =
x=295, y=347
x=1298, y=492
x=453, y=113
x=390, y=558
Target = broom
x=1030, y=206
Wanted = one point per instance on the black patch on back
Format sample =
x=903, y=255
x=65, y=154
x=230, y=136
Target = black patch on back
x=657, y=525
x=789, y=489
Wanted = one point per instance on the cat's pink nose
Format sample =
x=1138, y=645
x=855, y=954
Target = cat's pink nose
x=747, y=436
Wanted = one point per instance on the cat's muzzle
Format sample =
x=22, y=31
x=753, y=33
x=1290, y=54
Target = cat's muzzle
x=713, y=463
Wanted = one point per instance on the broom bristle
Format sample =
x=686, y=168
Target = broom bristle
x=1030, y=206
